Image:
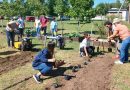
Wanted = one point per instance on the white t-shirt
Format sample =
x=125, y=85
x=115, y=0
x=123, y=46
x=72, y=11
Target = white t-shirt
x=85, y=43
x=37, y=23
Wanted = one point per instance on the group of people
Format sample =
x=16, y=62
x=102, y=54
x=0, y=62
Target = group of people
x=118, y=29
x=14, y=28
x=41, y=26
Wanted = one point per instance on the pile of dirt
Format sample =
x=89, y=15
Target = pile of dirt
x=12, y=62
x=94, y=76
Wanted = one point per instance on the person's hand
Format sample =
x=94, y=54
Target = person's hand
x=52, y=60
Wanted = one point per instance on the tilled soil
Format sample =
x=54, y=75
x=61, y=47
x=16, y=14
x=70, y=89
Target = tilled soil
x=12, y=62
x=94, y=76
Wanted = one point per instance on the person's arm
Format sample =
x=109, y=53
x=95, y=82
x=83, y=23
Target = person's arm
x=85, y=50
x=114, y=34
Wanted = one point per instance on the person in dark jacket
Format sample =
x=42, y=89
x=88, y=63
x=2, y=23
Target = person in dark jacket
x=44, y=61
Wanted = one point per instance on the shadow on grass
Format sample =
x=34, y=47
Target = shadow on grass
x=36, y=49
x=67, y=49
x=37, y=45
x=58, y=72
x=7, y=52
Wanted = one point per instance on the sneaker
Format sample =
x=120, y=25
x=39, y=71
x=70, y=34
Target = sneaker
x=81, y=54
x=118, y=62
x=37, y=78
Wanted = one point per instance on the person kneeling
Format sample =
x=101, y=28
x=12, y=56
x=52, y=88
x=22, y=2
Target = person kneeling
x=44, y=61
x=85, y=48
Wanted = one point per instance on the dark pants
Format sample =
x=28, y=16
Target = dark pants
x=44, y=29
x=10, y=38
x=21, y=32
x=90, y=50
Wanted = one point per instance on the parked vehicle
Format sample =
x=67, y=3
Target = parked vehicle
x=30, y=18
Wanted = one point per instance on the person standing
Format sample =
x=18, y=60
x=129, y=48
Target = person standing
x=37, y=25
x=110, y=31
x=123, y=32
x=11, y=27
x=21, y=26
x=53, y=27
x=44, y=22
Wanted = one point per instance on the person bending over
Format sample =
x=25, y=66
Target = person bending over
x=43, y=61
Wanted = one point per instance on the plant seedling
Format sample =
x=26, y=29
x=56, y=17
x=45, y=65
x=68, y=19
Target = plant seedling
x=109, y=49
x=85, y=63
x=79, y=66
x=55, y=85
x=67, y=77
x=74, y=69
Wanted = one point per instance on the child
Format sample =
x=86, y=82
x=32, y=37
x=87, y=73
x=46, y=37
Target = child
x=44, y=61
x=85, y=48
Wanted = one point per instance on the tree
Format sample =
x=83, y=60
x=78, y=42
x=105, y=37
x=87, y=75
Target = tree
x=81, y=9
x=102, y=8
x=61, y=7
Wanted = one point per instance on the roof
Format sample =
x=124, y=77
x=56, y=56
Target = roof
x=116, y=9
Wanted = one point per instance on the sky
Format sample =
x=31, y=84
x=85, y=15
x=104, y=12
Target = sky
x=96, y=2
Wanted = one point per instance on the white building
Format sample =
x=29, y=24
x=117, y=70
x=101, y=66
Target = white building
x=123, y=13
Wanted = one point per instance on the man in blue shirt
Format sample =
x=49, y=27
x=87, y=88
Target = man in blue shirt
x=44, y=61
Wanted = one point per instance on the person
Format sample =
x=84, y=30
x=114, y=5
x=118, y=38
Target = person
x=110, y=31
x=44, y=22
x=53, y=26
x=21, y=26
x=123, y=32
x=43, y=61
x=10, y=32
x=37, y=24
x=85, y=48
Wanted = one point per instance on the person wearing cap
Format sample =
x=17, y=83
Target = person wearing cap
x=110, y=31
x=43, y=61
x=123, y=32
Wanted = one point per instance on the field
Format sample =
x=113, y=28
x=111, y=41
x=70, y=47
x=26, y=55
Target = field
x=99, y=74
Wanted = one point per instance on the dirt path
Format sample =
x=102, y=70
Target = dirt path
x=12, y=62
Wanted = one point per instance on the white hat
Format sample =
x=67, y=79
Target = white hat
x=116, y=20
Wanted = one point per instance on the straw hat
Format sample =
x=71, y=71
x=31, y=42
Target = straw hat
x=116, y=20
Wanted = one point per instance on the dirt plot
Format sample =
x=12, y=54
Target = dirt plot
x=12, y=62
x=94, y=76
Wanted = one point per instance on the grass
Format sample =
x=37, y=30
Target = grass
x=120, y=74
x=121, y=77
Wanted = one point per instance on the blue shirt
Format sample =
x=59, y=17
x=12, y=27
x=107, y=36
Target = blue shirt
x=42, y=57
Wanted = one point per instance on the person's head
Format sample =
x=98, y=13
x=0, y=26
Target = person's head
x=53, y=18
x=86, y=35
x=51, y=46
x=116, y=21
x=108, y=24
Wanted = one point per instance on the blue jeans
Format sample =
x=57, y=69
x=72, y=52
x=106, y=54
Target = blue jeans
x=38, y=31
x=44, y=68
x=124, y=50
x=10, y=38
